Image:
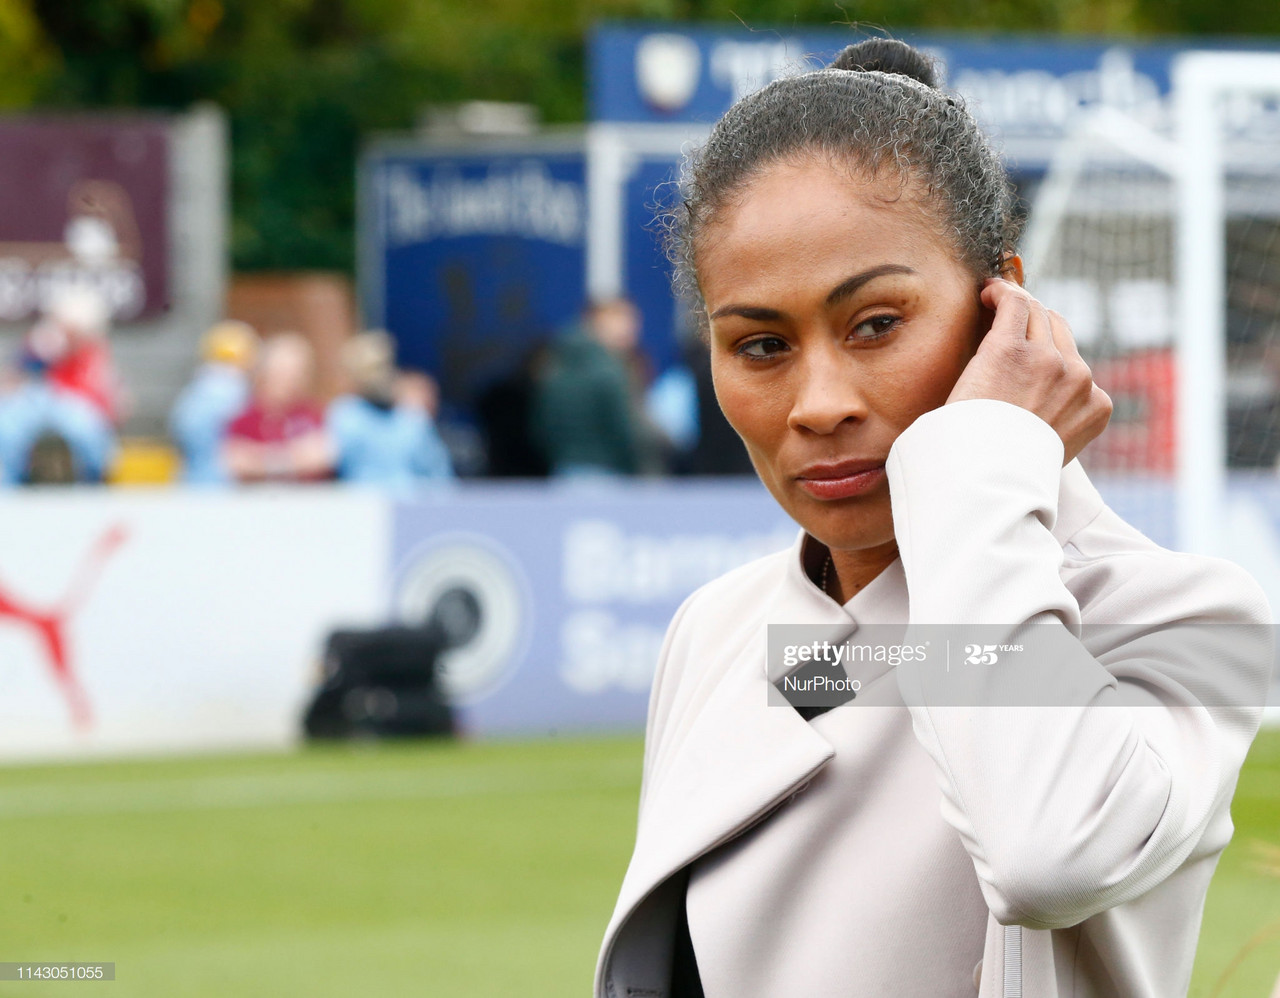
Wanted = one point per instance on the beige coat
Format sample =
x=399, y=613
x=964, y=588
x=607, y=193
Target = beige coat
x=894, y=847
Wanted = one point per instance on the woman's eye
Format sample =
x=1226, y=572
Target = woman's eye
x=765, y=346
x=875, y=327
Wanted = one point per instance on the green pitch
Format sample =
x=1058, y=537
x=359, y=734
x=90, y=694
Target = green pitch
x=412, y=870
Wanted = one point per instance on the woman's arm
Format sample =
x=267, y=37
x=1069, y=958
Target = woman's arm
x=1097, y=792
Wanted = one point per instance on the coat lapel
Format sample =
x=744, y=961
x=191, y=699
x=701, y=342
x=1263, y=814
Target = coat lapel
x=742, y=755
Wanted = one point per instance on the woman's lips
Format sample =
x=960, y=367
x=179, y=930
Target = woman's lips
x=841, y=481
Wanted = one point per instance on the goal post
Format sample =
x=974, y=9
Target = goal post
x=1202, y=81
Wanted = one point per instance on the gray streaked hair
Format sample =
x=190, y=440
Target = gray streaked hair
x=877, y=110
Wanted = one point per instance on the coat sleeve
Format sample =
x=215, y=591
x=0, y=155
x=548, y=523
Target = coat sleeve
x=1081, y=776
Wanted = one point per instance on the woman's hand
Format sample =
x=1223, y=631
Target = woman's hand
x=1029, y=358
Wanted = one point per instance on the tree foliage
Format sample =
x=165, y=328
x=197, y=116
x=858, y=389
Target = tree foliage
x=304, y=80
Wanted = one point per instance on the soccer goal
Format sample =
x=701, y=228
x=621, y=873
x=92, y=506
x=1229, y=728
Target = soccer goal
x=1159, y=239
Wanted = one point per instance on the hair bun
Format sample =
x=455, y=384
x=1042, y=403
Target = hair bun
x=888, y=55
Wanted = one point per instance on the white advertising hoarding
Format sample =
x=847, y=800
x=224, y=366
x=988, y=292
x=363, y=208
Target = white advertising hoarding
x=175, y=621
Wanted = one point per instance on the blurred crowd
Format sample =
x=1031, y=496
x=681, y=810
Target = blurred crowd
x=584, y=403
x=249, y=414
x=587, y=404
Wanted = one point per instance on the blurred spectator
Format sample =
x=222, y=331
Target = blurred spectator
x=617, y=324
x=505, y=409
x=71, y=342
x=383, y=431
x=280, y=436
x=671, y=404
x=35, y=414
x=47, y=434
x=217, y=393
x=584, y=411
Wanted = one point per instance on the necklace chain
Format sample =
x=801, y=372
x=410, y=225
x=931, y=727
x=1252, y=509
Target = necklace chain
x=826, y=568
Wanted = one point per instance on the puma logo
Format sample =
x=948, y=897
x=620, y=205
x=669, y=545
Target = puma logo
x=50, y=625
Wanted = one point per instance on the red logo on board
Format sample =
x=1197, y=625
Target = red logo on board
x=50, y=625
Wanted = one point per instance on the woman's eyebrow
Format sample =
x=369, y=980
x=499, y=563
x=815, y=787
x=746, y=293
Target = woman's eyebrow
x=845, y=288
x=754, y=312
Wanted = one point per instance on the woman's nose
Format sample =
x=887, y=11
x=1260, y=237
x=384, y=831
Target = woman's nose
x=827, y=391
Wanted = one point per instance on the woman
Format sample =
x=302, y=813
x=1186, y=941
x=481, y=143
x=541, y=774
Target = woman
x=850, y=237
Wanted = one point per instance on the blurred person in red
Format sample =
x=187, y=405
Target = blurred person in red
x=280, y=437
x=71, y=342
x=49, y=436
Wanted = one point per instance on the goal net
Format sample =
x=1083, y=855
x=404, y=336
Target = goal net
x=1100, y=248
x=1160, y=244
x=1109, y=244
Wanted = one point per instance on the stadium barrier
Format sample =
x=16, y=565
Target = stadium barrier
x=179, y=621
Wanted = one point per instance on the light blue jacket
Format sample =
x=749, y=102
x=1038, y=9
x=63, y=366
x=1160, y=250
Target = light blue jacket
x=199, y=420
x=33, y=409
x=393, y=447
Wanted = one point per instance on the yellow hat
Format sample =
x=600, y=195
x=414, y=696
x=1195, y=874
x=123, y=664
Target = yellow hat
x=230, y=342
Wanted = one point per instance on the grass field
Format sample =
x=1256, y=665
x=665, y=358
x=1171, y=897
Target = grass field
x=411, y=870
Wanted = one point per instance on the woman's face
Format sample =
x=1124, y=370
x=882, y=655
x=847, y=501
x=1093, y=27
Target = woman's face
x=839, y=313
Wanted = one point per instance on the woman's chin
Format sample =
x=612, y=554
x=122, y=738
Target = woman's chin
x=844, y=530
x=858, y=523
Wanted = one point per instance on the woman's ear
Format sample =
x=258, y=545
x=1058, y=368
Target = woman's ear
x=1011, y=269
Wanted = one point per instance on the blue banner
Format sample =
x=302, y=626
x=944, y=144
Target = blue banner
x=647, y=273
x=1021, y=88
x=471, y=257
x=576, y=586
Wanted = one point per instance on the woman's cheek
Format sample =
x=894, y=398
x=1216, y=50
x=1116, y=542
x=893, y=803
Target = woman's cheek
x=745, y=399
x=921, y=388
x=765, y=420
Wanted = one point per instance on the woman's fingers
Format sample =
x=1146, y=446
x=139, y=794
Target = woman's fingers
x=1092, y=420
x=1029, y=358
x=1040, y=328
x=1012, y=306
x=1086, y=407
x=1063, y=338
x=1019, y=316
x=1078, y=373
